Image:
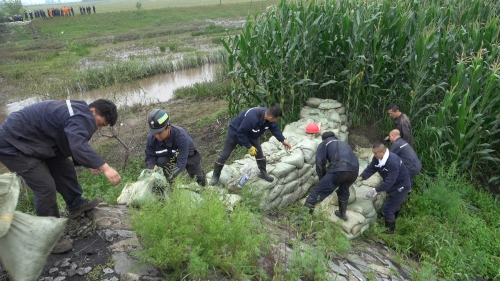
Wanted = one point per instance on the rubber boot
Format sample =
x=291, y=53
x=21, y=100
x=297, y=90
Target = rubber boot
x=341, y=212
x=391, y=226
x=263, y=173
x=216, y=174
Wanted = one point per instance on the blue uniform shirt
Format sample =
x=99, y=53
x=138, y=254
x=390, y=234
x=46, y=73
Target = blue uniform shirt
x=402, y=149
x=393, y=173
x=250, y=124
x=179, y=145
x=340, y=155
x=54, y=128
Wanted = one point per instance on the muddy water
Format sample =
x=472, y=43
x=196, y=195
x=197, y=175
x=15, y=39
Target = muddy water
x=155, y=89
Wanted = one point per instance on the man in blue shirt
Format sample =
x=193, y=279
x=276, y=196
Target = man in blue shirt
x=36, y=143
x=396, y=182
x=171, y=148
x=344, y=168
x=402, y=149
x=245, y=130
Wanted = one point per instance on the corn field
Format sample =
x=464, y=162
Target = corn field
x=438, y=60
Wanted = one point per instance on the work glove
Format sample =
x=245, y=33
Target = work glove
x=387, y=139
x=252, y=151
x=372, y=193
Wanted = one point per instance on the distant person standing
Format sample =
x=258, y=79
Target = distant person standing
x=93, y=8
x=25, y=15
x=402, y=123
x=72, y=11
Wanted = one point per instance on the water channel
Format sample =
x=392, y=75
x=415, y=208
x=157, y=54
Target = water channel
x=158, y=88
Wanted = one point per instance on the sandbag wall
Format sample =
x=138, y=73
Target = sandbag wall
x=294, y=170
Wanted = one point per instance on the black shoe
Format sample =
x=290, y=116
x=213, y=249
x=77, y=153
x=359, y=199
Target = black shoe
x=86, y=206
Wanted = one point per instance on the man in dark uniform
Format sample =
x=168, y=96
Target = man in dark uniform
x=36, y=143
x=344, y=168
x=402, y=123
x=245, y=130
x=396, y=182
x=172, y=148
x=402, y=149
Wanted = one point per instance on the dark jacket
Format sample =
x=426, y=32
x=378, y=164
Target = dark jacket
x=339, y=154
x=250, y=124
x=393, y=173
x=402, y=149
x=54, y=128
x=403, y=124
x=179, y=146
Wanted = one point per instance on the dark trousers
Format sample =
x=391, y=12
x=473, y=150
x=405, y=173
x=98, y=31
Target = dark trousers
x=44, y=177
x=328, y=184
x=231, y=143
x=193, y=167
x=393, y=203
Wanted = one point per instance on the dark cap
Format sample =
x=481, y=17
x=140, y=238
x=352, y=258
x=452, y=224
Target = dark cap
x=158, y=120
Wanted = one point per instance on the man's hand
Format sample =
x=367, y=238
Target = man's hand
x=110, y=173
x=95, y=171
x=252, y=151
x=287, y=145
x=372, y=193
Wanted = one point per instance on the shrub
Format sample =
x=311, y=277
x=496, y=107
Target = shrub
x=188, y=235
x=450, y=224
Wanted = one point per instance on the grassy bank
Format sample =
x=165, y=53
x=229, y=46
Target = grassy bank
x=52, y=56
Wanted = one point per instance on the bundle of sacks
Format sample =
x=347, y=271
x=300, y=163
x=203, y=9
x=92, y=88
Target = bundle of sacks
x=294, y=171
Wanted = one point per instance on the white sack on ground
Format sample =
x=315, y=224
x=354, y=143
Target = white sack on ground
x=10, y=186
x=25, y=247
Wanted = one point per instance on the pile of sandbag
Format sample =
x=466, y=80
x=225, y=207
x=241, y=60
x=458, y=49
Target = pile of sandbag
x=135, y=193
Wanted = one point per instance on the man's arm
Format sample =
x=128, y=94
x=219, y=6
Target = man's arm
x=150, y=152
x=247, y=124
x=321, y=160
x=183, y=141
x=370, y=169
x=392, y=167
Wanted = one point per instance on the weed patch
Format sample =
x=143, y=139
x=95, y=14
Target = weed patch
x=189, y=235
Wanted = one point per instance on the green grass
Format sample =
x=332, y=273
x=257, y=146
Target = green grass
x=452, y=225
x=193, y=236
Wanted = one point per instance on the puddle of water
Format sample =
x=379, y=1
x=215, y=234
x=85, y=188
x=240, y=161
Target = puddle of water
x=158, y=88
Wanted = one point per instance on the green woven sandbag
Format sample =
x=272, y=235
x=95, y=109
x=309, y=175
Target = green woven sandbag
x=25, y=247
x=9, y=194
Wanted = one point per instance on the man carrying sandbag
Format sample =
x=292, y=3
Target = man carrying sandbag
x=343, y=171
x=396, y=182
x=171, y=148
x=36, y=143
x=245, y=130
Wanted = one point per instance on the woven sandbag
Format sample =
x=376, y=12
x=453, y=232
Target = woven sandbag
x=25, y=247
x=9, y=194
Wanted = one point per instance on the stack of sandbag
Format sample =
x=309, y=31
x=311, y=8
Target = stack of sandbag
x=25, y=240
x=143, y=189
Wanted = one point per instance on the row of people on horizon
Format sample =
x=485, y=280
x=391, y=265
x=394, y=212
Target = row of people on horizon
x=57, y=12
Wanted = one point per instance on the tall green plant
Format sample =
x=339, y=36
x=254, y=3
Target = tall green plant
x=369, y=54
